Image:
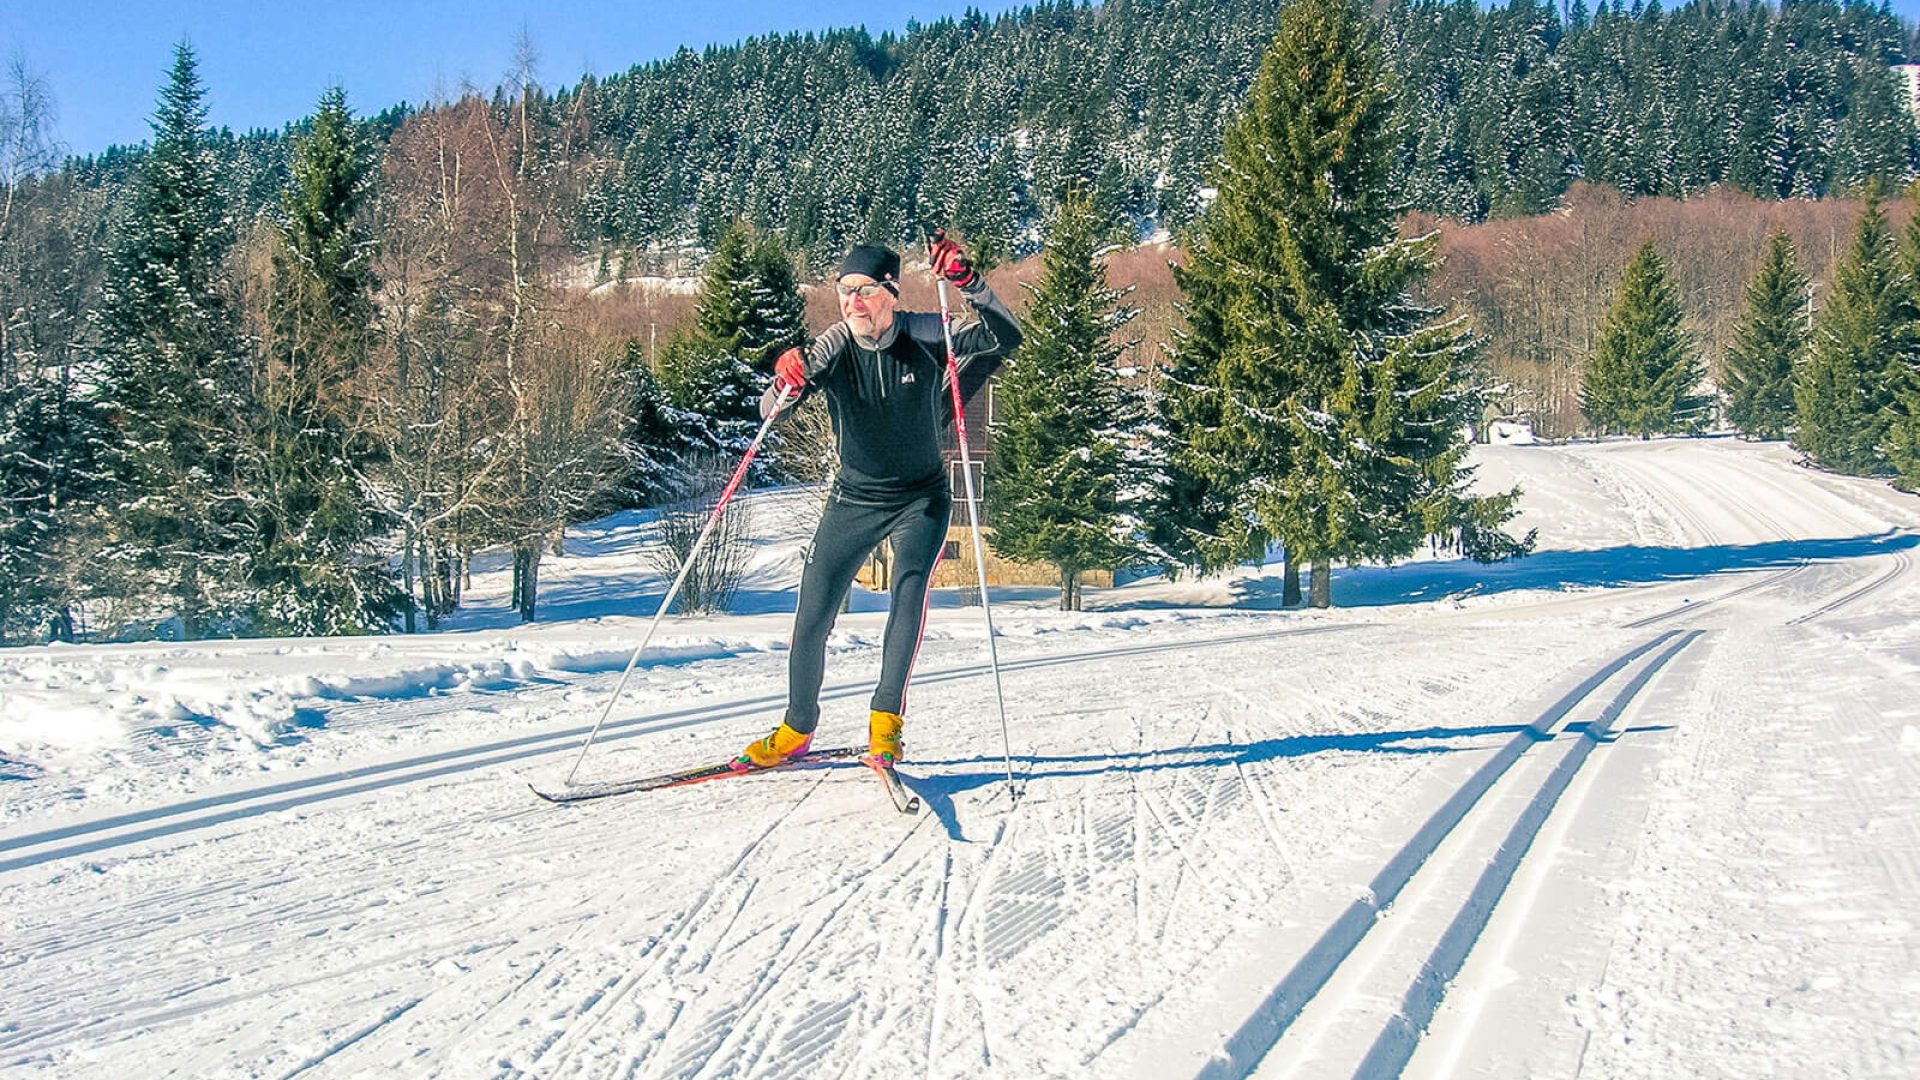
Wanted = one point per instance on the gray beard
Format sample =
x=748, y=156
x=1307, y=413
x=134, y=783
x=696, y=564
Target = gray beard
x=883, y=341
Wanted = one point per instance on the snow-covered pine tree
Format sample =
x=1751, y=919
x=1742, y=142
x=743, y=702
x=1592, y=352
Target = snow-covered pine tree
x=1644, y=374
x=313, y=563
x=1058, y=473
x=49, y=430
x=1901, y=442
x=1901, y=445
x=1340, y=405
x=1193, y=479
x=176, y=380
x=657, y=436
x=1876, y=138
x=749, y=309
x=1769, y=345
x=1867, y=325
x=49, y=443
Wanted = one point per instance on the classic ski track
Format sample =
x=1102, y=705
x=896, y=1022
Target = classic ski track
x=1717, y=487
x=695, y=921
x=1770, y=580
x=1705, y=535
x=1901, y=563
x=942, y=963
x=1503, y=882
x=795, y=946
x=168, y=819
x=1272, y=1023
x=1681, y=520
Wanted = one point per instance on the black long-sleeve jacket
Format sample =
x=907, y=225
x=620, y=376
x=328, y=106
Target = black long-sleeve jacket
x=890, y=405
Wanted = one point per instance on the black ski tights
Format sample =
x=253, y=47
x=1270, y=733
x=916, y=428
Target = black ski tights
x=848, y=532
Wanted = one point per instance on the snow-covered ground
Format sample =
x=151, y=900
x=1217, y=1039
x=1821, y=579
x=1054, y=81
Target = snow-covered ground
x=1646, y=804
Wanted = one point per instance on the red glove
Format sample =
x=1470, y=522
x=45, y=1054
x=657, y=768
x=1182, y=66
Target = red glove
x=949, y=261
x=790, y=373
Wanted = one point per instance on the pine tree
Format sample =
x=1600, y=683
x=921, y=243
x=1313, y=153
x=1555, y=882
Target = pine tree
x=1866, y=328
x=749, y=310
x=658, y=437
x=1058, y=471
x=1194, y=478
x=1643, y=375
x=176, y=379
x=312, y=562
x=1339, y=402
x=1769, y=345
x=49, y=429
x=49, y=440
x=1901, y=442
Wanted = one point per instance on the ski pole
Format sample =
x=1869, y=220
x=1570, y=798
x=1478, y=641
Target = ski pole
x=973, y=517
x=686, y=565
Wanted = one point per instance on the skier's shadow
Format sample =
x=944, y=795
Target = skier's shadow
x=956, y=776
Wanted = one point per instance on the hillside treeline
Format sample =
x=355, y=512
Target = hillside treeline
x=982, y=123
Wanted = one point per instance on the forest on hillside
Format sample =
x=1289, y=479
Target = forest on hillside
x=322, y=366
x=981, y=122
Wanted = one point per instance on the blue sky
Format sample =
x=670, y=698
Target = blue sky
x=266, y=62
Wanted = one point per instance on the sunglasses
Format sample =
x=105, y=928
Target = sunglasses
x=864, y=292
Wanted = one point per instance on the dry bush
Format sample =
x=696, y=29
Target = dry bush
x=721, y=563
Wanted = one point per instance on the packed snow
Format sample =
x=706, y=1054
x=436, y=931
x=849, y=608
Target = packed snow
x=1644, y=804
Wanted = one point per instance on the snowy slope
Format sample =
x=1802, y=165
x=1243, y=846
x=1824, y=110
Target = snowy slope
x=1646, y=804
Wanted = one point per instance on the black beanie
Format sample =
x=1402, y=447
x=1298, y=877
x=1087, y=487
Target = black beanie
x=876, y=262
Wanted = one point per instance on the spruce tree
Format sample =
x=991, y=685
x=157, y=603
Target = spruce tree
x=1190, y=515
x=49, y=441
x=1340, y=404
x=1900, y=444
x=1866, y=328
x=312, y=560
x=1643, y=376
x=749, y=310
x=49, y=430
x=176, y=378
x=1058, y=473
x=658, y=437
x=1769, y=345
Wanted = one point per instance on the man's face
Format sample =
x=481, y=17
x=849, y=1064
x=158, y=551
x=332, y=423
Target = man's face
x=866, y=304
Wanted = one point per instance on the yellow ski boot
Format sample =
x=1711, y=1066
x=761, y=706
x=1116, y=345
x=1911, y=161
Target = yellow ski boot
x=883, y=738
x=776, y=749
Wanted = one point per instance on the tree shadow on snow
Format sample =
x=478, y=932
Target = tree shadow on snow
x=1614, y=567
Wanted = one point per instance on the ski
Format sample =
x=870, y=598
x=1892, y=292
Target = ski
x=605, y=788
x=903, y=800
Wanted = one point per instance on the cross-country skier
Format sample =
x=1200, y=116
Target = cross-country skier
x=884, y=374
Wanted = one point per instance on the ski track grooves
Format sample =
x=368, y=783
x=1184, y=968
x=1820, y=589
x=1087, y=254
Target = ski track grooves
x=199, y=813
x=739, y=1041
x=1901, y=561
x=666, y=953
x=1245, y=1050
